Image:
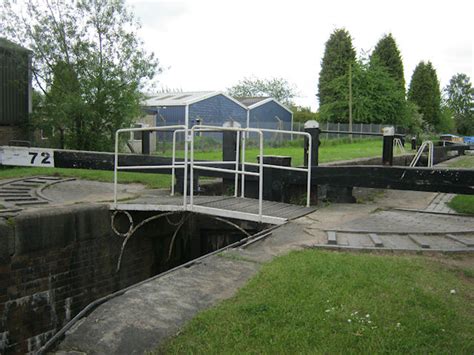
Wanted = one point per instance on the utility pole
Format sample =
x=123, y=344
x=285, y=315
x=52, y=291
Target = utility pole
x=350, y=101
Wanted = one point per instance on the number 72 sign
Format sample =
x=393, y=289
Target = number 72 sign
x=21, y=156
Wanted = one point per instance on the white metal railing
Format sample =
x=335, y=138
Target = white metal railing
x=306, y=169
x=397, y=143
x=173, y=165
x=189, y=164
x=418, y=154
x=236, y=170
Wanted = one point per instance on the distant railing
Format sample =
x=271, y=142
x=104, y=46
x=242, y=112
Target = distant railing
x=331, y=130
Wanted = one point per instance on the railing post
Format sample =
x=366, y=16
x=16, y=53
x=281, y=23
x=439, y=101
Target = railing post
x=312, y=127
x=387, y=152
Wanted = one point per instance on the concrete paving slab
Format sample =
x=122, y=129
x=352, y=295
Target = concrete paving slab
x=144, y=316
x=89, y=191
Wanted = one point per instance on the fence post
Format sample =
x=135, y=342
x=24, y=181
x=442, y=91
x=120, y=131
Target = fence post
x=146, y=142
x=229, y=152
x=387, y=153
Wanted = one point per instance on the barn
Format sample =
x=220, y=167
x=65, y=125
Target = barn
x=214, y=108
x=266, y=112
x=189, y=108
x=15, y=91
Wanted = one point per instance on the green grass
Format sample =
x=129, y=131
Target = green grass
x=466, y=162
x=327, y=302
x=328, y=152
x=462, y=204
x=150, y=180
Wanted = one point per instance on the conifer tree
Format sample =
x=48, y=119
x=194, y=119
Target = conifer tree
x=387, y=54
x=338, y=54
x=425, y=93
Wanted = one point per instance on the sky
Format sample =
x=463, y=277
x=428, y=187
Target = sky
x=211, y=45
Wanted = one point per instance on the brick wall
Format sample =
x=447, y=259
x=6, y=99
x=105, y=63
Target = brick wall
x=54, y=263
x=8, y=133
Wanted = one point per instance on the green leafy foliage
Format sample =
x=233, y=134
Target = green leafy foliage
x=460, y=100
x=425, y=93
x=446, y=122
x=376, y=96
x=387, y=54
x=88, y=65
x=338, y=54
x=277, y=88
x=303, y=114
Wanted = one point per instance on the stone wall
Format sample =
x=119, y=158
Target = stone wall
x=53, y=264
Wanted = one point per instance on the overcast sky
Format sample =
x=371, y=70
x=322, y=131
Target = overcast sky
x=211, y=45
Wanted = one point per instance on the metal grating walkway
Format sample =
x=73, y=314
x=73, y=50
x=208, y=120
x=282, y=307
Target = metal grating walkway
x=221, y=206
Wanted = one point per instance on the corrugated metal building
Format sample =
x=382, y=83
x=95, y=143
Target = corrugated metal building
x=216, y=108
x=190, y=108
x=207, y=107
x=266, y=112
x=15, y=91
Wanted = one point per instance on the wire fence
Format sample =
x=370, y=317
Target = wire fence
x=344, y=127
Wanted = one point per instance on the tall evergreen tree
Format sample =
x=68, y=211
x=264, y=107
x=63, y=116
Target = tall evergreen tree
x=376, y=97
x=387, y=54
x=425, y=93
x=338, y=54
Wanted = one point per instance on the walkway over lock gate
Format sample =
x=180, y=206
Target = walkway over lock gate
x=238, y=207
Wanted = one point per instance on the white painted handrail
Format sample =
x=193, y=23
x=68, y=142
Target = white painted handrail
x=239, y=163
x=306, y=169
x=397, y=143
x=173, y=165
x=418, y=154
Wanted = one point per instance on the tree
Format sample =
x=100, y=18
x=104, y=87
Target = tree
x=278, y=88
x=88, y=64
x=386, y=53
x=303, y=114
x=425, y=93
x=338, y=54
x=460, y=100
x=376, y=96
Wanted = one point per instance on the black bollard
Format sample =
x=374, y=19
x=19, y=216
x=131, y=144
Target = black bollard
x=312, y=127
x=387, y=153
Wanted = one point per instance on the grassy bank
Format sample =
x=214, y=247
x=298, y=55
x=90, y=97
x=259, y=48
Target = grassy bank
x=463, y=203
x=325, y=302
x=150, y=180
